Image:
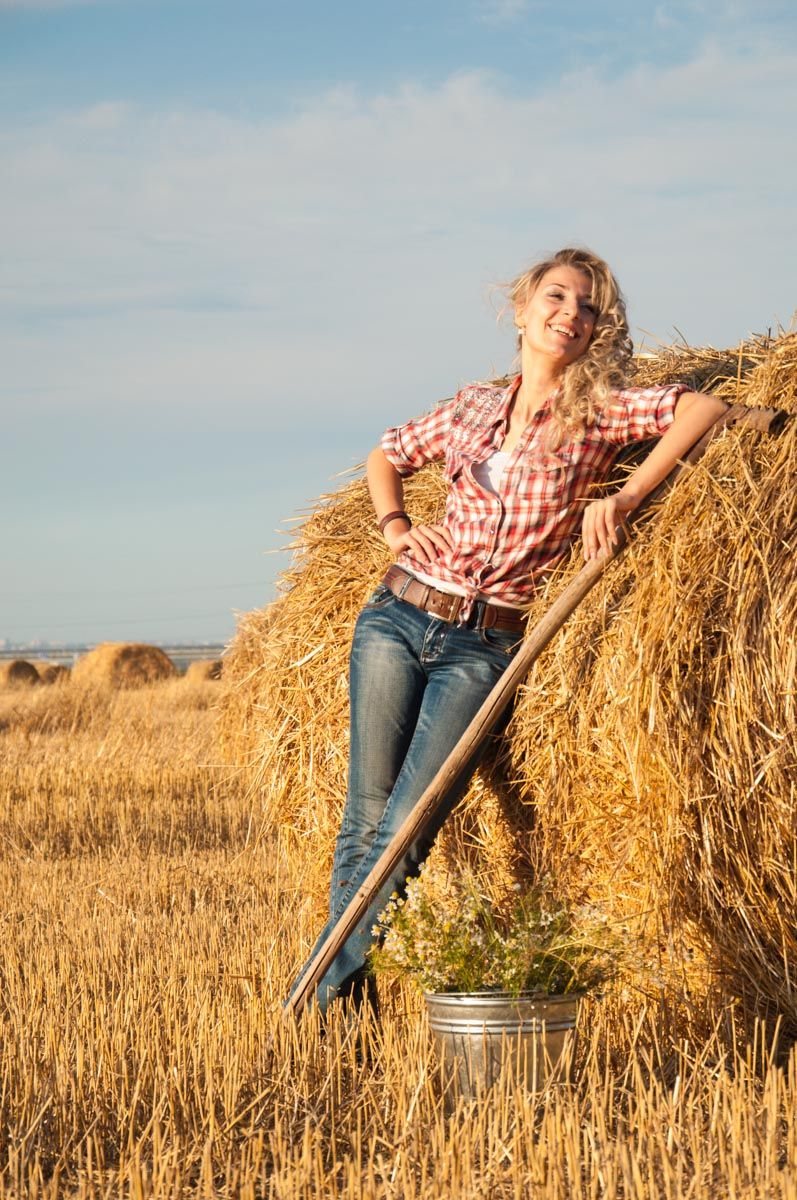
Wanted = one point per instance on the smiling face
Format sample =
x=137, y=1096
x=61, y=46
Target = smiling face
x=558, y=318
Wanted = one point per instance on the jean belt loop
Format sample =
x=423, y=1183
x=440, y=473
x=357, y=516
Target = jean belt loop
x=407, y=581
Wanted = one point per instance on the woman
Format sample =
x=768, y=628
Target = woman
x=440, y=629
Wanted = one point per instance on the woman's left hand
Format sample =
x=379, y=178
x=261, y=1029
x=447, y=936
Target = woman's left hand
x=600, y=521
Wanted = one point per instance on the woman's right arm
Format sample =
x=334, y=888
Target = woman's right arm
x=387, y=495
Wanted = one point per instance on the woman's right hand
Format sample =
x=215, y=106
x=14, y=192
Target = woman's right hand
x=423, y=542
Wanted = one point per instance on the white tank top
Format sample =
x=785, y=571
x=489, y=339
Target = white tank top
x=489, y=472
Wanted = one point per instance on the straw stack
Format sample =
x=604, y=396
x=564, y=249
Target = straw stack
x=124, y=665
x=650, y=761
x=18, y=673
x=52, y=672
x=204, y=669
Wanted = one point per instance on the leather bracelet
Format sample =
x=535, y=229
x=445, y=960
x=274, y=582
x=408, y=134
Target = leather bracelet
x=391, y=516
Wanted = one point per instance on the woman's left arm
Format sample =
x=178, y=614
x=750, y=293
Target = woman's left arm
x=695, y=412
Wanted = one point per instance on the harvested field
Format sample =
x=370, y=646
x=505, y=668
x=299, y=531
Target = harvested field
x=124, y=665
x=150, y=928
x=86, y=769
x=651, y=754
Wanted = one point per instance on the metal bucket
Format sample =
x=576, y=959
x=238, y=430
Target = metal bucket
x=478, y=1033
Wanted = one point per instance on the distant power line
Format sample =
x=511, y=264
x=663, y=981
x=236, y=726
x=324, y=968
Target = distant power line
x=135, y=591
x=99, y=622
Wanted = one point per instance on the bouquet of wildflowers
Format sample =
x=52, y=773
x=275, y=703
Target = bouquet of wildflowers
x=448, y=935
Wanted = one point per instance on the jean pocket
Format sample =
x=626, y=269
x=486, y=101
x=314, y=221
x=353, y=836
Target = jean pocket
x=505, y=640
x=379, y=596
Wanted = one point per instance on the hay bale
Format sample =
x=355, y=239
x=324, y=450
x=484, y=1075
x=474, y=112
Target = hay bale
x=124, y=665
x=774, y=383
x=204, y=668
x=52, y=672
x=18, y=673
x=650, y=762
x=726, y=373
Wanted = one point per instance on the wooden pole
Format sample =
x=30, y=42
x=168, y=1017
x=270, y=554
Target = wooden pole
x=496, y=704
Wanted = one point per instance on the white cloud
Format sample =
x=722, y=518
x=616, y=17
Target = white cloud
x=664, y=17
x=502, y=12
x=336, y=258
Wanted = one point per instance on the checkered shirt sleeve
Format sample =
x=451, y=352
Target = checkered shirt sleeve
x=410, y=446
x=634, y=414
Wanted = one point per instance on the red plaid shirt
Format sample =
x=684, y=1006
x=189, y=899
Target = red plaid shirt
x=503, y=543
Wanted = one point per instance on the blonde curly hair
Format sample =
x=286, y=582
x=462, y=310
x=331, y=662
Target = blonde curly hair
x=587, y=383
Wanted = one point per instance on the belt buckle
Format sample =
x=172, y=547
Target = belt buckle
x=443, y=605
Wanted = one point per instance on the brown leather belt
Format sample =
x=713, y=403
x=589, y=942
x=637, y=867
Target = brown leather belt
x=446, y=605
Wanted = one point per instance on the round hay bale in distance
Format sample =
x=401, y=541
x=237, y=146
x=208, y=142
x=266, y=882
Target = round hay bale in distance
x=204, y=668
x=124, y=665
x=18, y=673
x=52, y=672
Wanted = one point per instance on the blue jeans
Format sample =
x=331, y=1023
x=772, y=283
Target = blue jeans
x=415, y=683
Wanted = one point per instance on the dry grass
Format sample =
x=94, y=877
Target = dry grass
x=87, y=769
x=651, y=756
x=147, y=942
x=124, y=665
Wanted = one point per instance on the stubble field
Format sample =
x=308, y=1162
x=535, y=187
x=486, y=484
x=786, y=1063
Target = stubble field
x=150, y=929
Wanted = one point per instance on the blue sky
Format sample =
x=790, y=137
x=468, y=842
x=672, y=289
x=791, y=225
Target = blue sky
x=239, y=239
